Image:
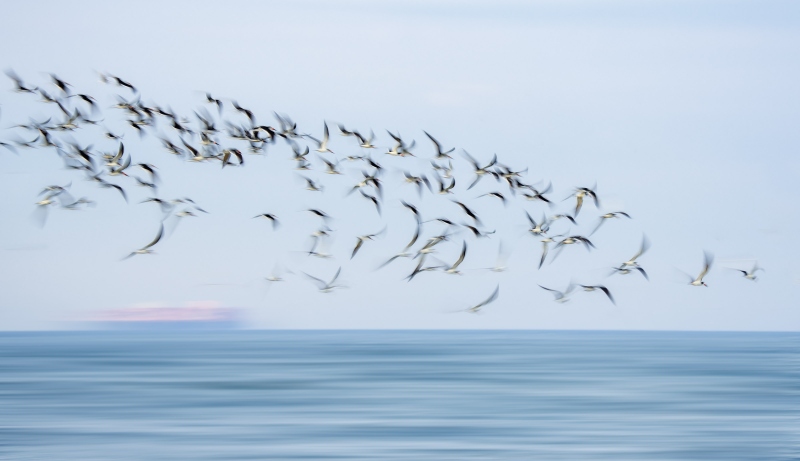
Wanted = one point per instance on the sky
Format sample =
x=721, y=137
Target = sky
x=682, y=114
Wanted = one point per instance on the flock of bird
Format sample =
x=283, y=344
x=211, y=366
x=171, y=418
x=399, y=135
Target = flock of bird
x=224, y=133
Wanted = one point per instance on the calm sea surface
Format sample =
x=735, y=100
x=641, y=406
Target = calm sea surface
x=421, y=395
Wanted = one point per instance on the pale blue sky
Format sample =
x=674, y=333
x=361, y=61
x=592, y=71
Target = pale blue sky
x=685, y=114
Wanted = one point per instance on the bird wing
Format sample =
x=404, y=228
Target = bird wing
x=600, y=223
x=530, y=220
x=321, y=284
x=414, y=238
x=461, y=257
x=708, y=259
x=549, y=289
x=155, y=240
x=358, y=245
x=608, y=293
x=488, y=300
x=435, y=142
x=545, y=247
x=338, y=271
x=642, y=249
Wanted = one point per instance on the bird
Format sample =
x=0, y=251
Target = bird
x=77, y=203
x=632, y=262
x=275, y=275
x=576, y=239
x=61, y=84
x=419, y=269
x=419, y=181
x=751, y=275
x=479, y=170
x=579, y=194
x=121, y=82
x=443, y=190
x=454, y=268
x=215, y=101
x=189, y=202
x=539, y=228
x=312, y=185
x=271, y=217
x=502, y=257
x=601, y=288
x=624, y=270
x=120, y=169
x=607, y=216
x=428, y=248
x=413, y=210
x=477, y=232
x=246, y=112
x=405, y=253
x=150, y=169
x=146, y=249
x=537, y=195
x=708, y=259
x=468, y=212
x=440, y=154
x=322, y=146
x=560, y=296
x=363, y=238
x=344, y=131
x=560, y=216
x=319, y=213
x=372, y=199
x=476, y=308
x=446, y=171
x=18, y=83
x=326, y=287
x=545, y=247
x=108, y=185
x=365, y=143
x=330, y=167
x=493, y=194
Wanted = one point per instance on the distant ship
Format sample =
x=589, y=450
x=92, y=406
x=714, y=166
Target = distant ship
x=198, y=317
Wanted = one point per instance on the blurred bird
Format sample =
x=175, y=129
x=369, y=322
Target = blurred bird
x=326, y=287
x=751, y=275
x=708, y=259
x=476, y=308
x=271, y=217
x=146, y=249
x=560, y=296
x=601, y=288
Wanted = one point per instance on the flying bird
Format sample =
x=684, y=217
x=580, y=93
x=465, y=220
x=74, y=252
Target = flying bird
x=476, y=308
x=271, y=217
x=363, y=238
x=326, y=287
x=146, y=249
x=454, y=268
x=405, y=253
x=560, y=296
x=708, y=259
x=480, y=171
x=750, y=275
x=440, y=154
x=607, y=216
x=601, y=288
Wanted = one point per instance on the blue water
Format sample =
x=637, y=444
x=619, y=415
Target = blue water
x=378, y=395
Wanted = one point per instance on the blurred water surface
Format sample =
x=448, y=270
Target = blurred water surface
x=387, y=395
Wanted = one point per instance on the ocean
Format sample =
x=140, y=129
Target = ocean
x=399, y=395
